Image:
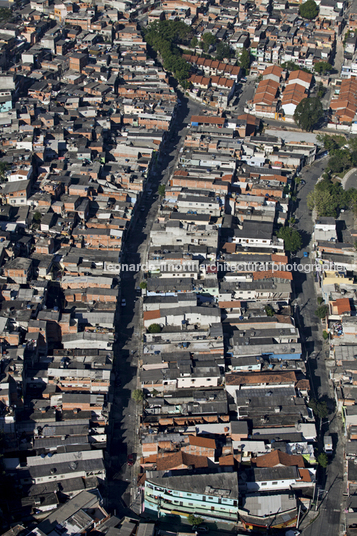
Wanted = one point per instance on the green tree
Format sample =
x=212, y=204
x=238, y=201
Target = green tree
x=320, y=300
x=138, y=395
x=309, y=10
x=244, y=60
x=321, y=90
x=37, y=217
x=161, y=190
x=154, y=328
x=328, y=198
x=143, y=284
x=308, y=113
x=3, y=169
x=323, y=67
x=325, y=335
x=223, y=50
x=5, y=13
x=322, y=460
x=195, y=521
x=269, y=310
x=321, y=311
x=319, y=407
x=340, y=160
x=194, y=42
x=291, y=237
x=208, y=39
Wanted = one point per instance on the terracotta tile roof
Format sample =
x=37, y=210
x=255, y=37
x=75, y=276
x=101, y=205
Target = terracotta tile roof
x=203, y=442
x=276, y=457
x=273, y=69
x=151, y=315
x=305, y=475
x=293, y=94
x=180, y=458
x=300, y=75
x=206, y=119
x=280, y=274
x=250, y=119
x=303, y=385
x=279, y=258
x=343, y=305
x=226, y=460
x=253, y=378
x=229, y=304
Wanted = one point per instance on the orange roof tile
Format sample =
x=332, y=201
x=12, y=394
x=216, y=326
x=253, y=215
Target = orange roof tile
x=343, y=305
x=253, y=378
x=203, y=442
x=305, y=475
x=280, y=274
x=151, y=315
x=226, y=460
x=276, y=457
x=180, y=458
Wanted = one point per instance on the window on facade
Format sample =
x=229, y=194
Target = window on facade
x=274, y=483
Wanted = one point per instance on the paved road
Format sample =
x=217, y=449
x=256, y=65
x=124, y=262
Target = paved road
x=350, y=179
x=247, y=94
x=124, y=418
x=328, y=522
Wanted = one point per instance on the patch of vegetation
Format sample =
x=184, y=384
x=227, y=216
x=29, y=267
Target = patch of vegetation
x=164, y=37
x=309, y=10
x=154, y=328
x=328, y=198
x=291, y=237
x=138, y=395
x=321, y=311
x=322, y=460
x=323, y=67
x=269, y=310
x=308, y=113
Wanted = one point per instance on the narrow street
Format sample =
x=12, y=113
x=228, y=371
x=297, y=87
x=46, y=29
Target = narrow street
x=124, y=439
x=331, y=488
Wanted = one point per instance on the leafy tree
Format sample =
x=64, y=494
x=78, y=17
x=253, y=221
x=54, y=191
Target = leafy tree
x=37, y=217
x=319, y=407
x=322, y=460
x=291, y=237
x=323, y=67
x=154, y=328
x=340, y=160
x=163, y=37
x=308, y=112
x=321, y=90
x=292, y=66
x=328, y=198
x=309, y=10
x=208, y=39
x=223, y=50
x=138, y=395
x=321, y=311
x=143, y=285
x=195, y=521
x=324, y=335
x=194, y=42
x=3, y=169
x=269, y=310
x=331, y=143
x=161, y=190
x=320, y=300
x=5, y=13
x=244, y=60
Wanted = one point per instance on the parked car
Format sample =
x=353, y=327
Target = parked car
x=306, y=254
x=123, y=302
x=201, y=528
x=130, y=459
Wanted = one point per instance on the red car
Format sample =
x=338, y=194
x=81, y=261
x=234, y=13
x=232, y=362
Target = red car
x=130, y=459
